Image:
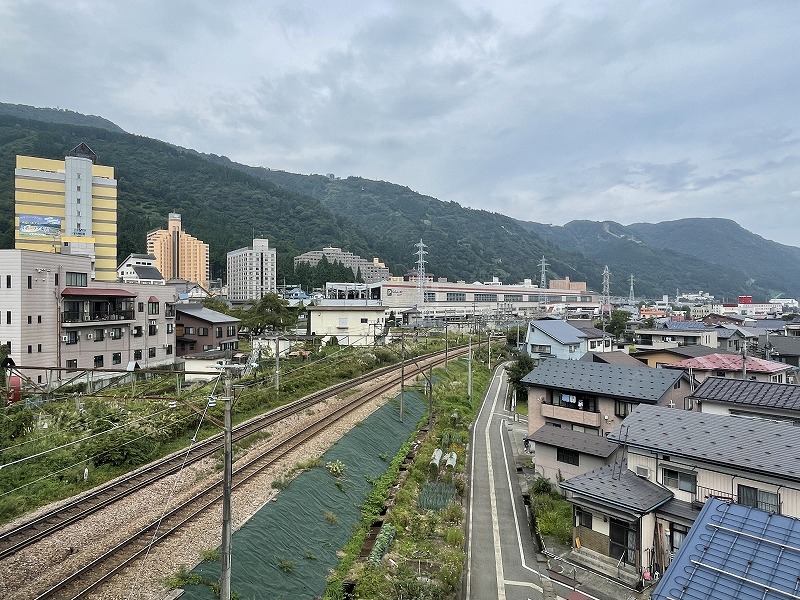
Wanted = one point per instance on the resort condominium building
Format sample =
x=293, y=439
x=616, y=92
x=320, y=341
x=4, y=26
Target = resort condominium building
x=252, y=272
x=69, y=207
x=178, y=254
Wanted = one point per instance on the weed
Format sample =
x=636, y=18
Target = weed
x=330, y=517
x=286, y=566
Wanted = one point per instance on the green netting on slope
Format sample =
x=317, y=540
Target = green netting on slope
x=286, y=550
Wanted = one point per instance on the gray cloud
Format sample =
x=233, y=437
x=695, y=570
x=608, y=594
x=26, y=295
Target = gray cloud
x=546, y=111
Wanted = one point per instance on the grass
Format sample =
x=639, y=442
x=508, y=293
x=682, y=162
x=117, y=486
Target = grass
x=553, y=516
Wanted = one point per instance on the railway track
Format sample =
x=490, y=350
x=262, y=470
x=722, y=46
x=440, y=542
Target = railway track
x=101, y=568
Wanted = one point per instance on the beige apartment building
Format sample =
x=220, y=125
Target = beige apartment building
x=178, y=254
x=68, y=207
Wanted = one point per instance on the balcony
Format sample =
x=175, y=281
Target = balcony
x=77, y=317
x=573, y=415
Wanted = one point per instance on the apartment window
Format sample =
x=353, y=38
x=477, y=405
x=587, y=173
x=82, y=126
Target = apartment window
x=30, y=349
x=677, y=385
x=767, y=501
x=72, y=364
x=77, y=279
x=38, y=318
x=430, y=297
x=8, y=281
x=456, y=297
x=30, y=282
x=540, y=348
x=98, y=335
x=169, y=349
x=202, y=331
x=8, y=317
x=151, y=352
x=570, y=457
x=137, y=354
x=232, y=330
x=56, y=279
x=140, y=307
x=152, y=328
x=623, y=409
x=72, y=337
x=170, y=328
x=218, y=331
x=576, y=401
x=583, y=518
x=116, y=358
x=137, y=331
x=98, y=361
x=188, y=330
x=152, y=308
x=364, y=320
x=30, y=320
x=512, y=297
x=38, y=347
x=116, y=333
x=680, y=480
x=677, y=535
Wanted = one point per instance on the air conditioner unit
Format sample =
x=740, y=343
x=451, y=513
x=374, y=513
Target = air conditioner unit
x=64, y=338
x=643, y=472
x=89, y=336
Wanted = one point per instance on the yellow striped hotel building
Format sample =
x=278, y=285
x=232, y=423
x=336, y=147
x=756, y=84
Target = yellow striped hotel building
x=68, y=207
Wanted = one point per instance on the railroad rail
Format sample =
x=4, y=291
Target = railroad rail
x=46, y=524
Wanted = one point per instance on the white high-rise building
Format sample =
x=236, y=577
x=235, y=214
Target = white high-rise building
x=252, y=272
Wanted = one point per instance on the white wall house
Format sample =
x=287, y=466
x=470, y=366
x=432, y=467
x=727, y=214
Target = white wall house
x=350, y=325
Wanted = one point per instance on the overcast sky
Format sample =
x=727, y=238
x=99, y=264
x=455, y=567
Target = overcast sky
x=543, y=111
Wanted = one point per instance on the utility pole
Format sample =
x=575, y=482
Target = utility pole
x=402, y=372
x=277, y=366
x=469, y=371
x=430, y=398
x=447, y=342
x=227, y=480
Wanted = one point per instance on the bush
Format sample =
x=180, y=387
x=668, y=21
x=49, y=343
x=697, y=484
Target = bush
x=541, y=485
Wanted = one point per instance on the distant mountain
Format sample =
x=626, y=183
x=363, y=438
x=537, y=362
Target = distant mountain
x=57, y=115
x=226, y=204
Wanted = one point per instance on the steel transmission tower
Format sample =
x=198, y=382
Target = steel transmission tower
x=605, y=301
x=543, y=284
x=421, y=276
x=631, y=299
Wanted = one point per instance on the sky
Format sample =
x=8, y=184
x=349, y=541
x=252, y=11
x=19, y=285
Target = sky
x=543, y=111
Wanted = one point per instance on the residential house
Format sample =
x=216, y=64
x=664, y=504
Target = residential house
x=597, y=340
x=733, y=366
x=782, y=348
x=555, y=338
x=616, y=357
x=734, y=551
x=670, y=334
x=667, y=356
x=595, y=397
x=732, y=338
x=564, y=453
x=202, y=329
x=674, y=460
x=746, y=398
x=140, y=268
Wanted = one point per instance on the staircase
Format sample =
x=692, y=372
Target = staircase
x=606, y=565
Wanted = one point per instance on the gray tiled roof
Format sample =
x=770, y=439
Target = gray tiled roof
x=620, y=487
x=755, y=445
x=616, y=357
x=692, y=351
x=146, y=272
x=204, y=314
x=559, y=330
x=585, y=443
x=686, y=326
x=753, y=393
x=615, y=381
x=588, y=328
x=784, y=345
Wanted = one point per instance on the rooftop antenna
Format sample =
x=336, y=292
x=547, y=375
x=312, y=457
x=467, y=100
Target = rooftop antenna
x=421, y=275
x=543, y=284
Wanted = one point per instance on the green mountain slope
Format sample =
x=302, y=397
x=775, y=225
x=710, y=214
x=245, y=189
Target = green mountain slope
x=57, y=115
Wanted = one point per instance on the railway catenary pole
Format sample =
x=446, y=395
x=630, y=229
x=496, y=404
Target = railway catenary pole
x=225, y=575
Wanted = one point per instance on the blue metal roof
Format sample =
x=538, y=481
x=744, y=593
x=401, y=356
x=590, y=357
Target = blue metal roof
x=559, y=330
x=735, y=552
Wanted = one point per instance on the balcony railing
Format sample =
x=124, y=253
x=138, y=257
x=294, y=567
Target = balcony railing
x=91, y=317
x=573, y=415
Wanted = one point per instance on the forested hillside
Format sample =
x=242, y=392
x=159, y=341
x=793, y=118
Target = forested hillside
x=225, y=204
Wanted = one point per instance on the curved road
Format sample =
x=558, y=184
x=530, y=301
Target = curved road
x=501, y=553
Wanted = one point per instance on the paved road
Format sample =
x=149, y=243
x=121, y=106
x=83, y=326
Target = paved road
x=501, y=553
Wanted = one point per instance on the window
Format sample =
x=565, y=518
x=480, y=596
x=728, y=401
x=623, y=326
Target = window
x=677, y=535
x=170, y=328
x=231, y=329
x=152, y=308
x=188, y=330
x=116, y=333
x=485, y=297
x=116, y=358
x=208, y=347
x=56, y=279
x=152, y=328
x=218, y=332
x=72, y=337
x=622, y=408
x=364, y=320
x=137, y=354
x=8, y=281
x=30, y=320
x=512, y=297
x=151, y=352
x=681, y=480
x=77, y=279
x=98, y=335
x=8, y=317
x=72, y=364
x=767, y=501
x=38, y=318
x=583, y=518
x=140, y=306
x=169, y=349
x=456, y=297
x=570, y=457
x=30, y=282
x=98, y=361
x=540, y=348
x=202, y=331
x=137, y=331
x=30, y=349
x=576, y=401
x=430, y=297
x=677, y=385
